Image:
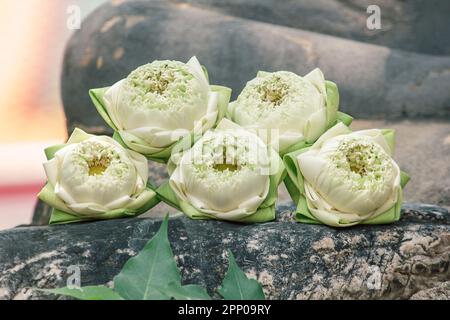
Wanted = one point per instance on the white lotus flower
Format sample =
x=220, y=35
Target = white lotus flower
x=95, y=177
x=228, y=174
x=299, y=108
x=160, y=102
x=347, y=178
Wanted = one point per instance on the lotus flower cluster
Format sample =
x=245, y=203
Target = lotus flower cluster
x=225, y=160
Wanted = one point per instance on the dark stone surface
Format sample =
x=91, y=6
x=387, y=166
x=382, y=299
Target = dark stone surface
x=413, y=25
x=409, y=259
x=374, y=81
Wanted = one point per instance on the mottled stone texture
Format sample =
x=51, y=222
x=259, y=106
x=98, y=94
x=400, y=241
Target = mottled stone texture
x=409, y=259
x=374, y=81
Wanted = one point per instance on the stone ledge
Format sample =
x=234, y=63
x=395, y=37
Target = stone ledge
x=409, y=259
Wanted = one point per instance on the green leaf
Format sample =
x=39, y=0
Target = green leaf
x=236, y=285
x=188, y=292
x=147, y=275
x=86, y=293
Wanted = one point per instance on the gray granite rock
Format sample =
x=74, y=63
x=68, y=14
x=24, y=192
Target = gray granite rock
x=374, y=81
x=413, y=25
x=409, y=259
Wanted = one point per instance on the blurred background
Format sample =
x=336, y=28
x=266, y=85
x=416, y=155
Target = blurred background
x=31, y=113
x=394, y=75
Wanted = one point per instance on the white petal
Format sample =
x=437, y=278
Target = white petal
x=118, y=203
x=64, y=195
x=316, y=125
x=338, y=129
x=317, y=78
x=78, y=135
x=138, y=144
x=112, y=103
x=377, y=136
x=285, y=140
x=141, y=164
x=141, y=200
x=208, y=121
x=88, y=209
x=197, y=69
x=311, y=166
x=51, y=168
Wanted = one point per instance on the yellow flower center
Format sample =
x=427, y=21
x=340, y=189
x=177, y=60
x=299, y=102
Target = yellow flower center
x=225, y=166
x=357, y=158
x=98, y=166
x=274, y=91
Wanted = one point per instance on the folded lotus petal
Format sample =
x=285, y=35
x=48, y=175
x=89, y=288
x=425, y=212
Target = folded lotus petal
x=111, y=100
x=209, y=119
x=315, y=125
x=226, y=124
x=141, y=165
x=88, y=209
x=317, y=78
x=320, y=206
x=197, y=69
x=118, y=203
x=228, y=196
x=49, y=196
x=51, y=170
x=286, y=139
x=337, y=130
x=77, y=136
x=141, y=200
x=224, y=95
x=64, y=195
x=311, y=166
x=157, y=138
x=378, y=137
x=137, y=144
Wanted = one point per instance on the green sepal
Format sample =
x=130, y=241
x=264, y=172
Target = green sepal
x=344, y=118
x=97, y=98
x=205, y=72
x=59, y=216
x=389, y=136
x=166, y=194
x=50, y=151
x=332, y=102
